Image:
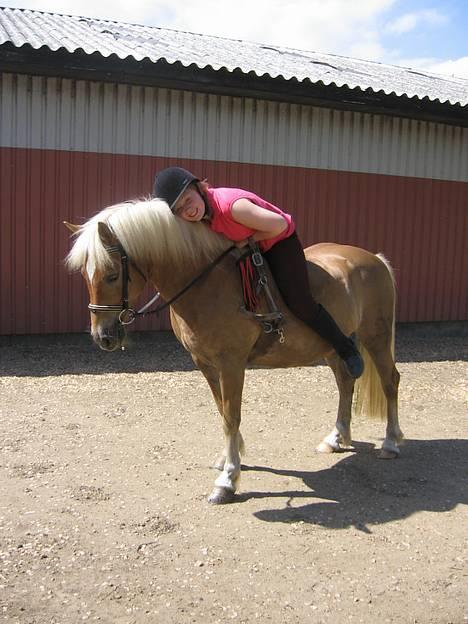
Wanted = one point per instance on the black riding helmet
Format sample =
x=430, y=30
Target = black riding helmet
x=170, y=183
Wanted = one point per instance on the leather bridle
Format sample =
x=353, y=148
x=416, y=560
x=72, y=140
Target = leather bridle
x=127, y=314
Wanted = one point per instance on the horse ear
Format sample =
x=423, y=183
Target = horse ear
x=105, y=234
x=73, y=228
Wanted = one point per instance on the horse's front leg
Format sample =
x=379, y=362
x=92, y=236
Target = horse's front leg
x=220, y=460
x=223, y=385
x=212, y=375
x=231, y=381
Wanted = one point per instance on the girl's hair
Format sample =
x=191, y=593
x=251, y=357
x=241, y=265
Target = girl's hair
x=203, y=185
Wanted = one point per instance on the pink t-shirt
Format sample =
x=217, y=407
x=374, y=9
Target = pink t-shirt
x=221, y=200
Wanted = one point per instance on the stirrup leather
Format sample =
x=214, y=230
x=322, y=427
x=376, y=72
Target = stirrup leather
x=273, y=320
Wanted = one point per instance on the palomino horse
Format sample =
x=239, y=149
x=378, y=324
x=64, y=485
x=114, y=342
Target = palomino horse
x=356, y=286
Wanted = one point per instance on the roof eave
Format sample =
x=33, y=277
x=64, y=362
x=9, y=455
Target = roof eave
x=81, y=65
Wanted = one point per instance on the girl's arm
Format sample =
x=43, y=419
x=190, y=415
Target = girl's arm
x=267, y=224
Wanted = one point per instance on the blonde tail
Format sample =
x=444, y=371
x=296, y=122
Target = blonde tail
x=369, y=398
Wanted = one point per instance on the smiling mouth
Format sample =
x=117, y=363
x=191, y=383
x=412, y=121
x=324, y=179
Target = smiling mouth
x=195, y=213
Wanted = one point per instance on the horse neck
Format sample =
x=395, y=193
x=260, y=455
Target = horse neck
x=170, y=279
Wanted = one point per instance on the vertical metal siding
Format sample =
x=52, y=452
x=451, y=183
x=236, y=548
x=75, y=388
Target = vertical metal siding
x=62, y=114
x=69, y=148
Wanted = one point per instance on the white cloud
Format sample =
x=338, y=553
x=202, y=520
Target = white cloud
x=368, y=48
x=457, y=67
x=409, y=21
x=132, y=12
x=323, y=26
x=453, y=67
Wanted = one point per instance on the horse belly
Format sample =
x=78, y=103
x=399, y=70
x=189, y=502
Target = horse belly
x=301, y=347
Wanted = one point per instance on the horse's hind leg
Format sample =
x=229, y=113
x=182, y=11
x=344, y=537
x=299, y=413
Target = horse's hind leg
x=340, y=438
x=390, y=381
x=380, y=350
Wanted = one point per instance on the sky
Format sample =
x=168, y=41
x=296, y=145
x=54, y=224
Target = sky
x=422, y=34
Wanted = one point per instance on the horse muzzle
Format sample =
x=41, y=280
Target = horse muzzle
x=109, y=337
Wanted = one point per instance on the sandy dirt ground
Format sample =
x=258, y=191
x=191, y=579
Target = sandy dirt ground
x=105, y=472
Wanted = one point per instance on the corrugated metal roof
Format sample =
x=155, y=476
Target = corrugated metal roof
x=72, y=33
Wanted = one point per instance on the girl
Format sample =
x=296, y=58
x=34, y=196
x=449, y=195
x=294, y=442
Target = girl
x=239, y=214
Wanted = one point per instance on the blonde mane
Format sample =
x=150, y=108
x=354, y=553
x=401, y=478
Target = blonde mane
x=149, y=232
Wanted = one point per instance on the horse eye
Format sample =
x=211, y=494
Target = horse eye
x=112, y=278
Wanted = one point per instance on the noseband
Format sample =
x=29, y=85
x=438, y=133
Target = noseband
x=127, y=315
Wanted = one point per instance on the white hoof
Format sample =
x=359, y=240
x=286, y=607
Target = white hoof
x=325, y=447
x=221, y=496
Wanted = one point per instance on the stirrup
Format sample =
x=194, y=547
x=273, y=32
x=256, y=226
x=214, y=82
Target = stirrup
x=271, y=322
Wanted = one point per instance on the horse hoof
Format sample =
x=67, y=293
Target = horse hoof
x=221, y=496
x=324, y=447
x=386, y=454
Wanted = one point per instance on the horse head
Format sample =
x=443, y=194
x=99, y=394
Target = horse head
x=113, y=245
x=114, y=283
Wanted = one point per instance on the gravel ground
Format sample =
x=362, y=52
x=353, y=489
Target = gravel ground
x=105, y=472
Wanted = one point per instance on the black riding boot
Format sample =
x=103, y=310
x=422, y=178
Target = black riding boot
x=327, y=329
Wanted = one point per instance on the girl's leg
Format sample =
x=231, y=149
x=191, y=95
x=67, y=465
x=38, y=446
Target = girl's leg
x=288, y=265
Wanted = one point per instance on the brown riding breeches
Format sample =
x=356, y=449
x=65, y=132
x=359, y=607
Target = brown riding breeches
x=288, y=265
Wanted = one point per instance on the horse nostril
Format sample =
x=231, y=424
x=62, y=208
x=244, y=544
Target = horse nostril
x=107, y=343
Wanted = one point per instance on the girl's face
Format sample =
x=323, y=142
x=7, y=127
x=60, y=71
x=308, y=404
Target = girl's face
x=190, y=205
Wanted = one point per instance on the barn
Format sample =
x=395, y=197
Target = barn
x=359, y=152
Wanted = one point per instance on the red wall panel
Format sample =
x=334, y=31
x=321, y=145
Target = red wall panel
x=419, y=224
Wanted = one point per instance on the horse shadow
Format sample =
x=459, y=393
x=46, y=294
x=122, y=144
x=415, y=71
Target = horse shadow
x=75, y=354
x=360, y=490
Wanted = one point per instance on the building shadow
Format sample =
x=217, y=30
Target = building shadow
x=431, y=342
x=362, y=491
x=76, y=354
